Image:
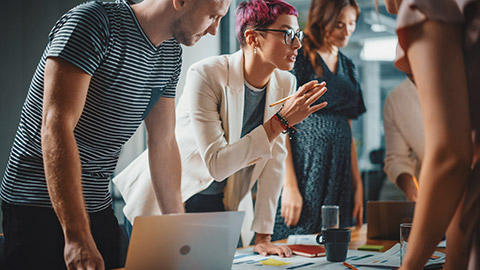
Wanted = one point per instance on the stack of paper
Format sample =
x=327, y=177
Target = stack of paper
x=390, y=258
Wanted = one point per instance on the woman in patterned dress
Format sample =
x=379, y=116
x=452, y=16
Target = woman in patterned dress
x=322, y=165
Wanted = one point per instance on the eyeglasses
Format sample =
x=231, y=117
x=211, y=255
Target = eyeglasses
x=290, y=34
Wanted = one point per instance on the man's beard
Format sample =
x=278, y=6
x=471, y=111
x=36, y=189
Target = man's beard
x=181, y=35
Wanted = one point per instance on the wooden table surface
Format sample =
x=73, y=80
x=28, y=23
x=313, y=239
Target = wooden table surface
x=359, y=238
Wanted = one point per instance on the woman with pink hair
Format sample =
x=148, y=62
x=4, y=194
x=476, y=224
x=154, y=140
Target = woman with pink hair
x=228, y=134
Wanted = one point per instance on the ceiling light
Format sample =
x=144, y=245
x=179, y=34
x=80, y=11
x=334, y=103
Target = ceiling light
x=379, y=49
x=378, y=27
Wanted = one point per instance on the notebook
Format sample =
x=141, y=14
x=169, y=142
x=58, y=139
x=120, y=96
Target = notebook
x=184, y=241
x=384, y=218
x=308, y=250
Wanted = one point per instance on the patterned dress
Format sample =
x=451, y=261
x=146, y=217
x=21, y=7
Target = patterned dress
x=321, y=148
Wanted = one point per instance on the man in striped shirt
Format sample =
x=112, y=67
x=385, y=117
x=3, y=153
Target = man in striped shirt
x=106, y=68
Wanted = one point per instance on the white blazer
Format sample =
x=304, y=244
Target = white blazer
x=208, y=129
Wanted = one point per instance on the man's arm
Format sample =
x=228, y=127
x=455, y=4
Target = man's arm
x=65, y=91
x=399, y=163
x=406, y=184
x=164, y=156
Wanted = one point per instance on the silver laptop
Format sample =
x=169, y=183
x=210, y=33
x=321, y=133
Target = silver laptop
x=184, y=241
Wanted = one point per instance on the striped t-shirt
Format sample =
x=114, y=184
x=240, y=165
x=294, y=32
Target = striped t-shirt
x=129, y=74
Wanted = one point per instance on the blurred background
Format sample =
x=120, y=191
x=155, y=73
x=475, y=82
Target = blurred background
x=25, y=24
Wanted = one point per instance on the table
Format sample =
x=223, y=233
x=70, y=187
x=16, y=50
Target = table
x=358, y=237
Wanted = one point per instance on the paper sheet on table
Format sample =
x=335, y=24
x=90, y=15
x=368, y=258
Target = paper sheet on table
x=246, y=259
x=390, y=258
x=302, y=239
x=442, y=244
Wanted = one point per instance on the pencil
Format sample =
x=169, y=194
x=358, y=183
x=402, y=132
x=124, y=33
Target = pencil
x=280, y=101
x=287, y=98
x=350, y=266
x=415, y=182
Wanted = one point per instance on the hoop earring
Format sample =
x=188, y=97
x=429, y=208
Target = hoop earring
x=255, y=50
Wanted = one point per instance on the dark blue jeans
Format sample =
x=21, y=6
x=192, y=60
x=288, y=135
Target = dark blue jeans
x=197, y=203
x=205, y=203
x=34, y=238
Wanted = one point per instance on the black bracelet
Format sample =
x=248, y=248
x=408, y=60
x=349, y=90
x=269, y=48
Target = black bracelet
x=283, y=120
x=289, y=129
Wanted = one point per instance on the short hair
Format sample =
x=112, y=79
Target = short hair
x=259, y=14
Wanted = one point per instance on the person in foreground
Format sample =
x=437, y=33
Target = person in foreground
x=322, y=162
x=107, y=66
x=229, y=137
x=440, y=45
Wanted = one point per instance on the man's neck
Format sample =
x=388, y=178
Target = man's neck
x=155, y=18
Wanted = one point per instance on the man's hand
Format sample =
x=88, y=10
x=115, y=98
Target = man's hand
x=292, y=203
x=83, y=254
x=264, y=246
x=406, y=183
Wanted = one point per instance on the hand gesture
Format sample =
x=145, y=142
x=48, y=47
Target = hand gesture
x=300, y=106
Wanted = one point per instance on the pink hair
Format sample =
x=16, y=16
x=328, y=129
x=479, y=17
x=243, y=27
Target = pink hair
x=259, y=14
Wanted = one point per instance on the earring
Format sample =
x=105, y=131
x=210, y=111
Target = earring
x=255, y=50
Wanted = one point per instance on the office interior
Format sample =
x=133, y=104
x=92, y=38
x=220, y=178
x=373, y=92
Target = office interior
x=25, y=24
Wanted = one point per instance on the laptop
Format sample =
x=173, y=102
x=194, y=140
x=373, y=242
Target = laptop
x=384, y=218
x=184, y=241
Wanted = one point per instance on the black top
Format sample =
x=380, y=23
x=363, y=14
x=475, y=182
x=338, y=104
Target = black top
x=344, y=95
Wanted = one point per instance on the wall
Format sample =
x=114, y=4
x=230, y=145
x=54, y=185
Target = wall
x=24, y=26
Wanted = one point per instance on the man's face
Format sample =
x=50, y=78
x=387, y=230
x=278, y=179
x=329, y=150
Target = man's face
x=201, y=18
